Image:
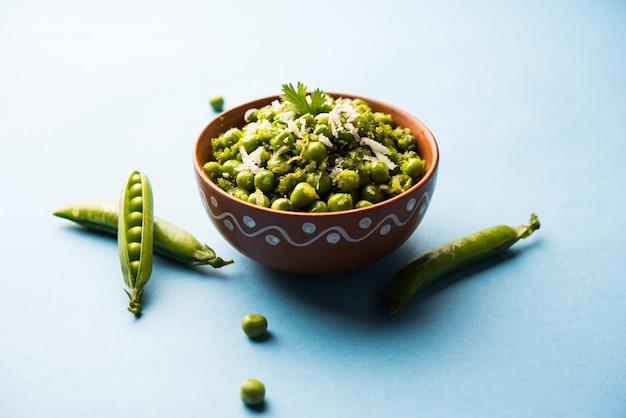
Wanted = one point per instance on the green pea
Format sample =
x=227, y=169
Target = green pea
x=245, y=180
x=439, y=261
x=134, y=219
x=363, y=169
x=362, y=123
x=136, y=204
x=372, y=193
x=240, y=193
x=169, y=240
x=317, y=207
x=229, y=168
x=213, y=169
x=135, y=190
x=322, y=119
x=399, y=183
x=287, y=182
x=379, y=172
x=308, y=119
x=348, y=180
x=360, y=104
x=217, y=103
x=315, y=151
x=340, y=201
x=284, y=140
x=320, y=180
x=282, y=203
x=134, y=267
x=279, y=164
x=252, y=392
x=259, y=199
x=133, y=233
x=135, y=177
x=413, y=167
x=250, y=143
x=383, y=118
x=302, y=195
x=403, y=138
x=265, y=180
x=407, y=142
x=363, y=204
x=231, y=137
x=254, y=325
x=323, y=129
x=265, y=112
x=134, y=250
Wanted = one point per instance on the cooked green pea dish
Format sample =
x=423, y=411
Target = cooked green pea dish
x=311, y=152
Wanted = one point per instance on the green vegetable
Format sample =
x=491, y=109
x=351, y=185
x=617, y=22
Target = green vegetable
x=315, y=151
x=379, y=172
x=337, y=145
x=169, y=240
x=135, y=237
x=217, y=103
x=299, y=103
x=265, y=180
x=348, y=180
x=259, y=199
x=282, y=203
x=340, y=201
x=439, y=261
x=303, y=195
x=254, y=325
x=252, y=392
x=318, y=206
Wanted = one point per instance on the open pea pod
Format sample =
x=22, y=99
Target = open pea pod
x=135, y=236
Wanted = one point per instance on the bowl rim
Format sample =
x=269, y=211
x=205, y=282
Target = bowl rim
x=425, y=179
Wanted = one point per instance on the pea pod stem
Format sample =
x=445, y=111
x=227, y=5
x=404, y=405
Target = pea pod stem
x=169, y=240
x=446, y=258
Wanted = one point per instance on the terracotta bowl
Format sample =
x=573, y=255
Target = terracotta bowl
x=316, y=243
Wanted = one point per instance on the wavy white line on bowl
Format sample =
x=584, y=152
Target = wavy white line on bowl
x=332, y=232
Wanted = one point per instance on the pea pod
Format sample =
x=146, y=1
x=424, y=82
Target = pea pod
x=437, y=262
x=135, y=236
x=169, y=240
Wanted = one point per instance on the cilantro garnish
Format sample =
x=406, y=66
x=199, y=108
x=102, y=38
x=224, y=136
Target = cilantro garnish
x=302, y=103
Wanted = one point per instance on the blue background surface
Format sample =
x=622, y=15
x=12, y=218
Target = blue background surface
x=528, y=103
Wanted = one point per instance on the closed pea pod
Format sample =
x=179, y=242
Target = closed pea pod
x=135, y=250
x=441, y=260
x=169, y=240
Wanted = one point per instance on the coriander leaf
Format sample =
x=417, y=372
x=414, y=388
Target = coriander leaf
x=318, y=102
x=302, y=103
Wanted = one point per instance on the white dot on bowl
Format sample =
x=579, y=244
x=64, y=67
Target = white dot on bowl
x=333, y=238
x=385, y=229
x=365, y=223
x=214, y=201
x=308, y=227
x=410, y=205
x=228, y=224
x=272, y=239
x=250, y=223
